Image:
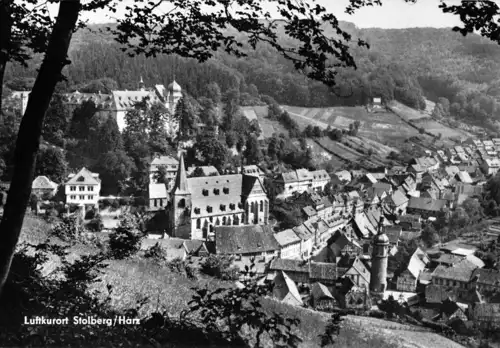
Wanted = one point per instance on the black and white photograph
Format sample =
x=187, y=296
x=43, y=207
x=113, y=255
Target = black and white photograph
x=247, y=173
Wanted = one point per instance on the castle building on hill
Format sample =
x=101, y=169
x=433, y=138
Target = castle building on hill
x=380, y=254
x=199, y=204
x=118, y=103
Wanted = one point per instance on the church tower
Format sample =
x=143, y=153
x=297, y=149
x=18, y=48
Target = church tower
x=174, y=95
x=180, y=204
x=380, y=254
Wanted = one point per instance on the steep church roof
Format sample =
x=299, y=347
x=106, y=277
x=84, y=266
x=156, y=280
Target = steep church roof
x=181, y=182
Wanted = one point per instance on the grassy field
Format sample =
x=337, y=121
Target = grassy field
x=259, y=113
x=380, y=126
x=437, y=128
x=406, y=112
x=320, y=155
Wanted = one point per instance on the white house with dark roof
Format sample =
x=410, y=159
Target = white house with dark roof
x=83, y=188
x=289, y=244
x=302, y=180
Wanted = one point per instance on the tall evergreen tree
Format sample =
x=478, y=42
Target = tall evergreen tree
x=231, y=101
x=51, y=162
x=56, y=121
x=253, y=154
x=186, y=115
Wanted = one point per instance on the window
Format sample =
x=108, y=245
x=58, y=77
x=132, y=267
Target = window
x=196, y=210
x=216, y=191
x=205, y=192
x=90, y=188
x=198, y=223
x=82, y=197
x=81, y=188
x=211, y=218
x=80, y=179
x=73, y=197
x=226, y=190
x=182, y=203
x=161, y=202
x=72, y=188
x=224, y=220
x=261, y=206
x=222, y=207
x=155, y=203
x=209, y=209
x=91, y=197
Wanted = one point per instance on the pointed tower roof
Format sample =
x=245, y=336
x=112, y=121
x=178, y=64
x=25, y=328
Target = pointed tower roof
x=181, y=183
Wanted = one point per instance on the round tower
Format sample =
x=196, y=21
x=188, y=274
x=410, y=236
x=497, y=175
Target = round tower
x=380, y=254
x=174, y=95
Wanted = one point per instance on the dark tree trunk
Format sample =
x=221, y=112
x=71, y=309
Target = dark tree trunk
x=5, y=36
x=28, y=139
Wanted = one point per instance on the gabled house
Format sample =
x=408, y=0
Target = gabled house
x=83, y=188
x=285, y=290
x=297, y=270
x=350, y=296
x=408, y=279
x=43, y=187
x=170, y=166
x=307, y=240
x=344, y=245
x=397, y=202
x=425, y=207
x=457, y=276
x=321, y=298
x=158, y=196
x=358, y=272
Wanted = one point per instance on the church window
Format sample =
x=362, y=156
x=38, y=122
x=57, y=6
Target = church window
x=182, y=203
x=211, y=228
x=261, y=206
x=211, y=218
x=226, y=190
x=198, y=223
x=216, y=191
x=360, y=301
x=224, y=220
x=236, y=220
x=217, y=222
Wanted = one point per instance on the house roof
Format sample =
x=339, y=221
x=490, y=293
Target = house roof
x=244, y=239
x=398, y=198
x=438, y=293
x=320, y=291
x=309, y=211
x=461, y=271
x=207, y=170
x=394, y=233
x=289, y=265
x=286, y=237
x=344, y=175
x=303, y=232
x=464, y=177
x=427, y=204
x=42, y=182
x=283, y=286
x=84, y=177
x=323, y=271
x=449, y=259
x=164, y=160
x=487, y=276
x=415, y=265
x=157, y=191
x=364, y=226
x=486, y=311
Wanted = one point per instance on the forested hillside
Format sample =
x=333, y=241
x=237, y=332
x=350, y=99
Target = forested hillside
x=459, y=73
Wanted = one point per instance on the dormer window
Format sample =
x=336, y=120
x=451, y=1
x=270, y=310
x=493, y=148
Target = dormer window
x=209, y=209
x=216, y=191
x=205, y=192
x=226, y=190
x=222, y=207
x=81, y=178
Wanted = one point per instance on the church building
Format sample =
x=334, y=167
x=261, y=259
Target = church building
x=199, y=204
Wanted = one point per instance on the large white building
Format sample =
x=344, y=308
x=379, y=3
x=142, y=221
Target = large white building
x=301, y=180
x=83, y=188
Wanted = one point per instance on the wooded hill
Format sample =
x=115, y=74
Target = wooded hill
x=401, y=64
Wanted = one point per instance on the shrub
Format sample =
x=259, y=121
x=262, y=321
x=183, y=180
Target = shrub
x=115, y=204
x=220, y=267
x=124, y=201
x=90, y=214
x=68, y=229
x=126, y=240
x=157, y=253
x=96, y=224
